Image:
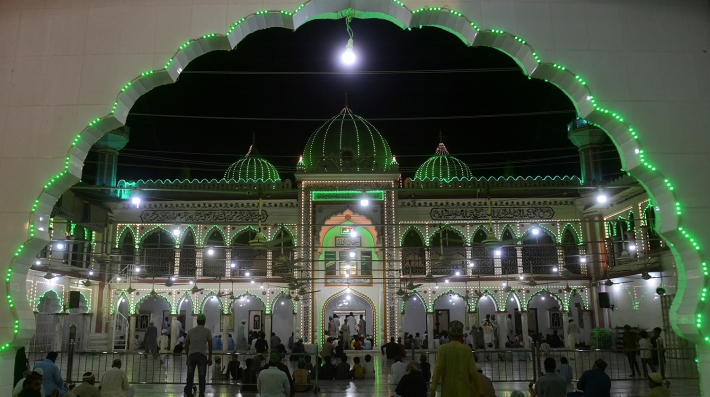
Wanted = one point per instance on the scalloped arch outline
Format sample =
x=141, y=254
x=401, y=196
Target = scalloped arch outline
x=210, y=293
x=486, y=292
x=417, y=231
x=211, y=230
x=180, y=240
x=542, y=228
x=375, y=337
x=543, y=290
x=475, y=230
x=574, y=293
x=249, y=295
x=120, y=235
x=454, y=228
x=691, y=265
x=288, y=230
x=282, y=294
x=418, y=294
x=469, y=305
x=178, y=302
x=153, y=230
x=517, y=297
x=577, y=234
x=121, y=294
x=132, y=308
x=505, y=227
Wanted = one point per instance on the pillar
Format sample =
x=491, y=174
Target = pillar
x=430, y=328
x=565, y=329
x=174, y=330
x=400, y=323
x=107, y=155
x=267, y=327
x=501, y=319
x=586, y=332
x=519, y=257
x=703, y=351
x=225, y=326
x=111, y=332
x=131, y=343
x=59, y=327
x=588, y=140
x=471, y=321
x=297, y=332
x=524, y=325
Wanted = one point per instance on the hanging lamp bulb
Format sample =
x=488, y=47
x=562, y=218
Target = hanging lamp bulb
x=348, y=56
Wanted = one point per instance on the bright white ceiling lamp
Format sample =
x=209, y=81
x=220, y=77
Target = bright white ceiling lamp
x=247, y=274
x=232, y=265
x=536, y=231
x=554, y=269
x=136, y=200
x=601, y=196
x=632, y=247
x=470, y=264
x=210, y=252
x=137, y=269
x=348, y=56
x=59, y=246
x=583, y=259
x=176, y=232
x=352, y=254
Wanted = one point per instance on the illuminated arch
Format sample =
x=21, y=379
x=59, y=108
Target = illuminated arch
x=545, y=291
x=120, y=236
x=338, y=294
x=414, y=293
x=482, y=227
x=575, y=232
x=223, y=306
x=211, y=230
x=574, y=293
x=544, y=229
x=625, y=138
x=121, y=294
x=507, y=226
x=245, y=229
x=451, y=291
x=132, y=308
x=283, y=294
x=288, y=231
x=178, y=302
x=453, y=228
x=416, y=230
x=247, y=294
x=517, y=297
x=39, y=299
x=347, y=216
x=152, y=230
x=180, y=240
x=486, y=292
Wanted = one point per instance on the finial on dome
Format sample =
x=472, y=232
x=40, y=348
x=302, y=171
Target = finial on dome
x=253, y=141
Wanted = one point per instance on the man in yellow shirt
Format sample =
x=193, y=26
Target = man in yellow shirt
x=456, y=367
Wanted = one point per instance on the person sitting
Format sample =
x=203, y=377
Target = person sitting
x=398, y=370
x=272, y=381
x=367, y=368
x=554, y=340
x=299, y=349
x=367, y=345
x=309, y=363
x=655, y=383
x=486, y=383
x=234, y=369
x=20, y=384
x=217, y=370
x=594, y=382
x=327, y=350
x=301, y=377
x=550, y=384
x=357, y=345
x=412, y=384
x=179, y=348
x=425, y=367
x=316, y=371
x=249, y=376
x=358, y=370
x=114, y=382
x=51, y=378
x=32, y=385
x=544, y=347
x=564, y=370
x=343, y=369
x=328, y=370
x=339, y=352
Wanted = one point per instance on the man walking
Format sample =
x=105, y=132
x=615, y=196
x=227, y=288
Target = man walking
x=510, y=327
x=198, y=348
x=572, y=335
x=550, y=384
x=241, y=337
x=151, y=340
x=456, y=366
x=332, y=328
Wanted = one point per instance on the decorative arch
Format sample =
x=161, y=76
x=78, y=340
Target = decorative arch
x=414, y=293
x=121, y=294
x=478, y=228
x=120, y=235
x=575, y=233
x=247, y=294
x=573, y=293
x=282, y=294
x=453, y=228
x=223, y=308
x=132, y=308
x=505, y=227
x=375, y=335
x=209, y=232
x=486, y=292
x=245, y=229
x=543, y=290
x=543, y=229
x=661, y=191
x=416, y=230
x=517, y=297
x=180, y=240
x=39, y=299
x=178, y=302
x=450, y=291
x=347, y=215
x=288, y=231
x=152, y=230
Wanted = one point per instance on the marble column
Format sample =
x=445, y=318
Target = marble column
x=131, y=344
x=400, y=320
x=174, y=330
x=586, y=332
x=565, y=329
x=524, y=325
x=267, y=328
x=430, y=328
x=225, y=320
x=471, y=317
x=297, y=324
x=111, y=332
x=502, y=320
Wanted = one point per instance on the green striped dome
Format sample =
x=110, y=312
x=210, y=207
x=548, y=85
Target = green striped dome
x=252, y=168
x=347, y=142
x=443, y=167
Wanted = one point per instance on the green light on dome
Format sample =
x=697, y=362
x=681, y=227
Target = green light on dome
x=443, y=167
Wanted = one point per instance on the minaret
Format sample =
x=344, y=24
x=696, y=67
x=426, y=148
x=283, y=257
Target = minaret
x=588, y=139
x=107, y=149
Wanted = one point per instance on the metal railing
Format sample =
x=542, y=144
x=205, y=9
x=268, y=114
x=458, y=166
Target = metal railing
x=500, y=365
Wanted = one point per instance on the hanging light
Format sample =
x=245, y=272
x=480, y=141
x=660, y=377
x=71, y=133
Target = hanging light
x=176, y=232
x=232, y=265
x=210, y=252
x=348, y=56
x=137, y=269
x=601, y=196
x=536, y=231
x=136, y=200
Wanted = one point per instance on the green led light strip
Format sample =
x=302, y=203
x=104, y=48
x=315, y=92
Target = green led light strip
x=347, y=195
x=65, y=177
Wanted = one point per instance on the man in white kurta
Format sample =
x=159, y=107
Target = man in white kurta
x=361, y=327
x=489, y=330
x=510, y=324
x=114, y=383
x=346, y=334
x=242, y=343
x=572, y=335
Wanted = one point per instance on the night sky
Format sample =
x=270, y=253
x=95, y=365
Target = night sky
x=161, y=147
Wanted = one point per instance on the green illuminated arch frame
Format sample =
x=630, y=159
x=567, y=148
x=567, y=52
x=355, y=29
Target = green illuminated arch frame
x=248, y=294
x=574, y=293
x=132, y=308
x=475, y=230
x=414, y=293
x=211, y=230
x=542, y=228
x=282, y=294
x=485, y=292
x=517, y=297
x=689, y=304
x=450, y=291
x=563, y=304
x=179, y=240
x=152, y=230
x=120, y=235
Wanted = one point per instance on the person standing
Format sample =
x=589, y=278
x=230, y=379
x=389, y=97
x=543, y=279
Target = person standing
x=241, y=337
x=594, y=382
x=456, y=366
x=151, y=340
x=629, y=342
x=166, y=324
x=361, y=327
x=275, y=340
x=272, y=382
x=391, y=349
x=332, y=328
x=550, y=384
x=198, y=348
x=261, y=346
x=345, y=329
x=655, y=383
x=572, y=335
x=114, y=383
x=658, y=357
x=412, y=384
x=164, y=345
x=486, y=383
x=510, y=324
x=51, y=376
x=425, y=367
x=87, y=388
x=217, y=342
x=488, y=332
x=645, y=353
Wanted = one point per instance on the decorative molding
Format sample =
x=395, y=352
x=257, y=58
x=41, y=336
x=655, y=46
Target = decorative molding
x=363, y=281
x=187, y=216
x=484, y=204
x=498, y=213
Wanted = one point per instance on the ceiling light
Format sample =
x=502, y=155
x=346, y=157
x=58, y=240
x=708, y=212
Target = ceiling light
x=583, y=259
x=554, y=269
x=247, y=274
x=232, y=265
x=497, y=253
x=282, y=302
x=347, y=297
x=632, y=247
x=348, y=56
x=176, y=232
x=352, y=254
x=458, y=273
x=210, y=252
x=37, y=262
x=536, y=231
x=59, y=246
x=91, y=272
x=135, y=200
x=446, y=281
x=470, y=264
x=601, y=197
x=118, y=278
x=137, y=269
x=252, y=281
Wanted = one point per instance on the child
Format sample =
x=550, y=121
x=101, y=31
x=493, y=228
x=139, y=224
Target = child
x=425, y=367
x=564, y=370
x=544, y=347
x=342, y=371
x=234, y=368
x=358, y=370
x=367, y=367
x=217, y=370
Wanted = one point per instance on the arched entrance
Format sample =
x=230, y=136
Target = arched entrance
x=250, y=308
x=350, y=304
x=448, y=307
x=185, y=312
x=212, y=309
x=414, y=316
x=283, y=314
x=545, y=314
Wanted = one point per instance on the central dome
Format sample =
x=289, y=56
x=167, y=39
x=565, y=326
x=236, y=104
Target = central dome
x=443, y=167
x=347, y=142
x=252, y=168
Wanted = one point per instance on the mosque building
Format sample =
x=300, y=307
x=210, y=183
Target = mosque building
x=351, y=236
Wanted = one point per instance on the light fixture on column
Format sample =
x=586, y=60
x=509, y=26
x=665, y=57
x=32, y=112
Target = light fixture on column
x=176, y=232
x=348, y=56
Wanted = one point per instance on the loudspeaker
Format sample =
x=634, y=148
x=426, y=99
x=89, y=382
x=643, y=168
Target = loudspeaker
x=604, y=300
x=74, y=297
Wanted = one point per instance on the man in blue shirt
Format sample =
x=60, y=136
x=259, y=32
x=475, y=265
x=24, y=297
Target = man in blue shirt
x=594, y=382
x=564, y=370
x=230, y=343
x=51, y=378
x=217, y=342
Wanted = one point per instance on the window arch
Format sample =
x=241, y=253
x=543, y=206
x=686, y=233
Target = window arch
x=215, y=255
x=570, y=247
x=508, y=253
x=283, y=251
x=453, y=245
x=246, y=259
x=654, y=240
x=539, y=252
x=481, y=257
x=413, y=254
x=188, y=254
x=158, y=253
x=127, y=245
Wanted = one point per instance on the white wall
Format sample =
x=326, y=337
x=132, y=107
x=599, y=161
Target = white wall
x=648, y=313
x=241, y=308
x=282, y=319
x=456, y=306
x=414, y=317
x=542, y=304
x=62, y=64
x=156, y=307
x=212, y=310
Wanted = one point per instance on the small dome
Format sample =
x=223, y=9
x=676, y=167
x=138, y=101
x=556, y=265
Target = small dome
x=443, y=167
x=346, y=142
x=252, y=168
